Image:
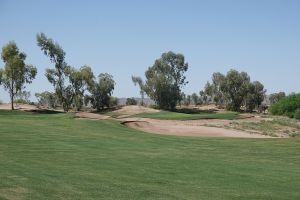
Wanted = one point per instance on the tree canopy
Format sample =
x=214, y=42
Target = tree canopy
x=80, y=81
x=57, y=75
x=101, y=91
x=15, y=73
x=235, y=90
x=138, y=81
x=165, y=79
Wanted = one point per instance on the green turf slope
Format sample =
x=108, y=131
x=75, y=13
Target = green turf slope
x=53, y=156
x=166, y=115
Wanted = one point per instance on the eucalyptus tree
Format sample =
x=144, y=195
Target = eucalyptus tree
x=15, y=73
x=204, y=96
x=101, y=91
x=195, y=99
x=57, y=75
x=218, y=80
x=47, y=99
x=80, y=81
x=255, y=96
x=138, y=81
x=23, y=97
x=235, y=90
x=165, y=79
x=187, y=100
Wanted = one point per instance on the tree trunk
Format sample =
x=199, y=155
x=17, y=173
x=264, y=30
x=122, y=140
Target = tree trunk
x=12, y=101
x=12, y=95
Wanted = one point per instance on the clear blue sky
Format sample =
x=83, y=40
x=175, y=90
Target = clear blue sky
x=125, y=37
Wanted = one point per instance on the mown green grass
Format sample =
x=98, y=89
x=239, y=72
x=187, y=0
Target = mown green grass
x=53, y=156
x=166, y=115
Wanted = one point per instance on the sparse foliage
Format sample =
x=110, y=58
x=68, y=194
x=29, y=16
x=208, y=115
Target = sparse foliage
x=23, y=97
x=204, y=97
x=216, y=90
x=47, y=99
x=131, y=101
x=57, y=75
x=187, y=99
x=138, y=81
x=113, y=101
x=195, y=99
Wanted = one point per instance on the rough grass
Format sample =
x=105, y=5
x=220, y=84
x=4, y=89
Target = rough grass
x=53, y=156
x=265, y=127
x=113, y=114
x=166, y=115
x=279, y=125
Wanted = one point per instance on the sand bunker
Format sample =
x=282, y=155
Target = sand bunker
x=185, y=129
x=87, y=115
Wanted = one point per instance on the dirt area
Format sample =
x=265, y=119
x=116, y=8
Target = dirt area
x=33, y=108
x=186, y=128
x=278, y=126
x=29, y=108
x=196, y=128
x=25, y=107
x=203, y=108
x=93, y=116
x=132, y=110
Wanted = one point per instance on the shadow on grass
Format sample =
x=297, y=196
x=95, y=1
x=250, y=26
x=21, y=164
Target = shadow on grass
x=196, y=111
x=106, y=110
x=43, y=111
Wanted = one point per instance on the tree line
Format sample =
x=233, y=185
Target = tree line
x=166, y=78
x=163, y=83
x=70, y=84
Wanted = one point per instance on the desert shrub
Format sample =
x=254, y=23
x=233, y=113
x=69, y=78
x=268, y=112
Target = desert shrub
x=113, y=101
x=275, y=97
x=21, y=101
x=297, y=114
x=22, y=97
x=154, y=106
x=286, y=106
x=131, y=101
x=47, y=99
